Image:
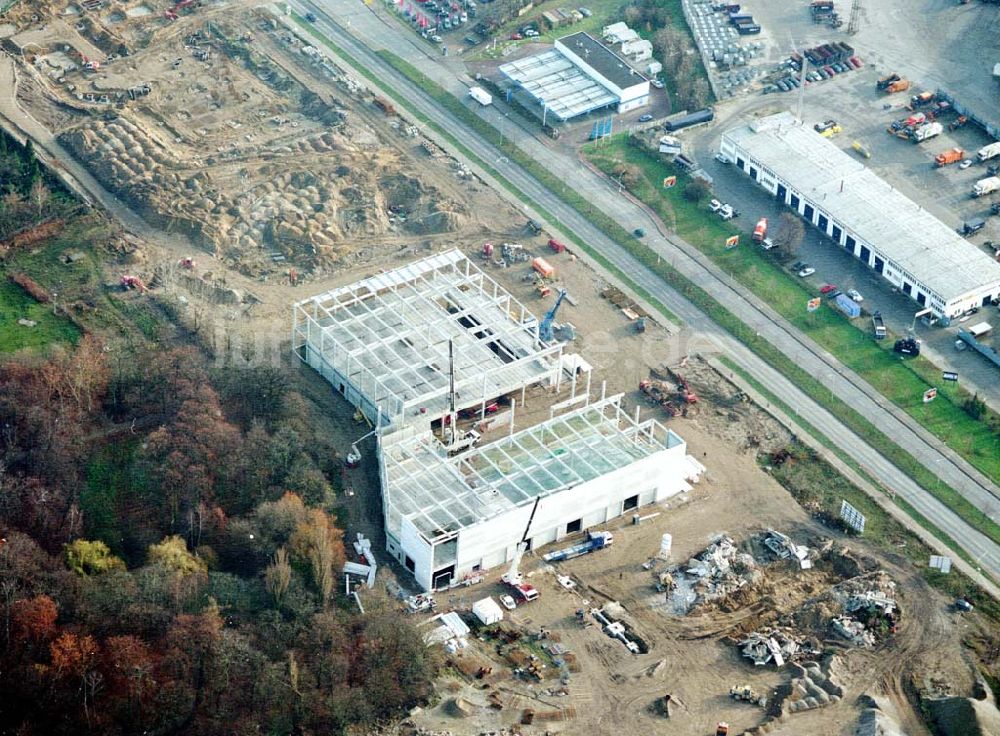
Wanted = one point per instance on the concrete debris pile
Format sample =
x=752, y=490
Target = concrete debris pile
x=871, y=611
x=812, y=686
x=785, y=549
x=721, y=570
x=775, y=646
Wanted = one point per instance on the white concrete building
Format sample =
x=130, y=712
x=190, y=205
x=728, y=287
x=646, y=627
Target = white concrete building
x=860, y=212
x=449, y=512
x=577, y=76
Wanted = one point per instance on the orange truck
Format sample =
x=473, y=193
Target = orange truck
x=949, y=157
x=900, y=85
x=760, y=231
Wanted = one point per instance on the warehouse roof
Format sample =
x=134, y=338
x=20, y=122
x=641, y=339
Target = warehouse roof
x=856, y=198
x=562, y=87
x=603, y=60
x=442, y=494
x=390, y=334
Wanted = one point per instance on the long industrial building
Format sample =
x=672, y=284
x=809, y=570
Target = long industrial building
x=860, y=212
x=419, y=348
x=578, y=75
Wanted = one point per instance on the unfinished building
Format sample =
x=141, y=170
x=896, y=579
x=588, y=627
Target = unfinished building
x=435, y=345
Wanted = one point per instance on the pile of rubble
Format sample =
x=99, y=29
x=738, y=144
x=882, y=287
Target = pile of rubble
x=775, y=646
x=721, y=570
x=870, y=610
x=785, y=549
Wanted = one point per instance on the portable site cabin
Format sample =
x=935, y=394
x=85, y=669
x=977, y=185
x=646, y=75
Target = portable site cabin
x=488, y=611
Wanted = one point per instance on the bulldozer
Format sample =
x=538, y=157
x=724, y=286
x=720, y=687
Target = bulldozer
x=748, y=695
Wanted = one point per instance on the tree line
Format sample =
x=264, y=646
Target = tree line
x=169, y=565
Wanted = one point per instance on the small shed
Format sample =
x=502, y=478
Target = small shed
x=848, y=306
x=488, y=611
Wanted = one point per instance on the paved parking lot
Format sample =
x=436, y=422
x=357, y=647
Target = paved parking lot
x=852, y=100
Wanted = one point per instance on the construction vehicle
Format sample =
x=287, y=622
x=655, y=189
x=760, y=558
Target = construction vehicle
x=828, y=128
x=883, y=83
x=987, y=152
x=862, y=149
x=130, y=282
x=907, y=346
x=595, y=541
x=748, y=695
x=900, y=85
x=879, y=325
x=513, y=578
x=949, y=157
x=760, y=231
x=926, y=131
x=385, y=106
x=545, y=333
x=960, y=122
x=986, y=186
x=556, y=246
x=924, y=98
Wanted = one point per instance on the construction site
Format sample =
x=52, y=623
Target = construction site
x=572, y=497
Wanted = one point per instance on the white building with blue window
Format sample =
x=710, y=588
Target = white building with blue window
x=862, y=213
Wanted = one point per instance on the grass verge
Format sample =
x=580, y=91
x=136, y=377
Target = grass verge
x=698, y=296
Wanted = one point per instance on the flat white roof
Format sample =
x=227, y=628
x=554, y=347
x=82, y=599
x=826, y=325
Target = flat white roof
x=389, y=335
x=856, y=198
x=442, y=494
x=555, y=81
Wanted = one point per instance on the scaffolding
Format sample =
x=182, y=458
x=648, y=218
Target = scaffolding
x=386, y=338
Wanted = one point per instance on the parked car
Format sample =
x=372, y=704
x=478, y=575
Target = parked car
x=639, y=232
x=721, y=158
x=726, y=212
x=656, y=83
x=966, y=163
x=516, y=37
x=855, y=295
x=827, y=288
x=767, y=244
x=645, y=118
x=311, y=17
x=531, y=33
x=807, y=271
x=508, y=602
x=715, y=205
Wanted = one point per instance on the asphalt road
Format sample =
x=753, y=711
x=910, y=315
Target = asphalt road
x=688, y=260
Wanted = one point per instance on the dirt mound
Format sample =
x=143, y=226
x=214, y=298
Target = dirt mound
x=976, y=716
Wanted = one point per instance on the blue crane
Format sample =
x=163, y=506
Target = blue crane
x=545, y=328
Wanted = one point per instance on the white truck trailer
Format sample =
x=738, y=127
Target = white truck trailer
x=987, y=152
x=986, y=186
x=481, y=96
x=927, y=131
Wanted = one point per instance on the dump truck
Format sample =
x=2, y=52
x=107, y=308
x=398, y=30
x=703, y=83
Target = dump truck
x=986, y=186
x=949, y=157
x=900, y=85
x=884, y=82
x=595, y=541
x=987, y=152
x=760, y=231
x=879, y=325
x=926, y=131
x=481, y=96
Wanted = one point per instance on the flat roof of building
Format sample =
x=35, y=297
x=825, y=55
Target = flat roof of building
x=555, y=81
x=604, y=61
x=855, y=197
x=390, y=333
x=442, y=494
